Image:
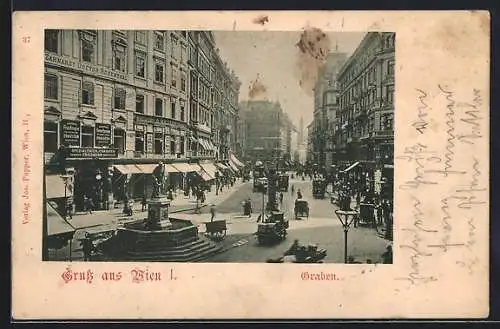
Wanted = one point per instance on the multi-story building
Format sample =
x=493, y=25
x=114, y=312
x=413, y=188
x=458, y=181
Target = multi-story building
x=366, y=115
x=310, y=156
x=117, y=102
x=268, y=131
x=325, y=108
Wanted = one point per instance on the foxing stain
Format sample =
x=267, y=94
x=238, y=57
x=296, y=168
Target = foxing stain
x=262, y=19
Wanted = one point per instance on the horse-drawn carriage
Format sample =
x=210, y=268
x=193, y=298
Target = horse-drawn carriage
x=216, y=229
x=319, y=188
x=301, y=208
x=283, y=182
x=272, y=228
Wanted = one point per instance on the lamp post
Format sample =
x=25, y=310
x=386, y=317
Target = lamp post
x=346, y=218
x=65, y=179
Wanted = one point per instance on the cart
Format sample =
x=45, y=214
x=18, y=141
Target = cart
x=366, y=214
x=301, y=208
x=216, y=229
x=273, y=228
x=319, y=188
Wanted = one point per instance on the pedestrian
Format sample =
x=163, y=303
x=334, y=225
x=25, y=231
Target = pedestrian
x=87, y=247
x=299, y=194
x=281, y=198
x=293, y=189
x=144, y=203
x=212, y=212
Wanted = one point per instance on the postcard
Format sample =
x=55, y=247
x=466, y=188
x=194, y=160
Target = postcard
x=249, y=165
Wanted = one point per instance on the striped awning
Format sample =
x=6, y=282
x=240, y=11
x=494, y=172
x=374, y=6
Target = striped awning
x=209, y=169
x=235, y=160
x=186, y=167
x=135, y=168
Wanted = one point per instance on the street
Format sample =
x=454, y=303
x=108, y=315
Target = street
x=322, y=228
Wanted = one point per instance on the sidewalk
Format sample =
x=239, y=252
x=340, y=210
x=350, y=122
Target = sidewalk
x=115, y=217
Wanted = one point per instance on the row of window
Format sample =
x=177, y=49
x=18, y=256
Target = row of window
x=119, y=99
x=144, y=142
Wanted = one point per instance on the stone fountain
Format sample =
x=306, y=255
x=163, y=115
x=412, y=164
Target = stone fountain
x=160, y=237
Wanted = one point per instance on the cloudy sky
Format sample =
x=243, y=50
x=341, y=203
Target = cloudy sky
x=272, y=58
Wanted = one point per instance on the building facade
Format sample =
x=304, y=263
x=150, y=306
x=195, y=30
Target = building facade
x=116, y=102
x=325, y=108
x=366, y=116
x=268, y=131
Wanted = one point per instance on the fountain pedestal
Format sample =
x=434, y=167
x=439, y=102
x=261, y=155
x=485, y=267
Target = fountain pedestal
x=158, y=214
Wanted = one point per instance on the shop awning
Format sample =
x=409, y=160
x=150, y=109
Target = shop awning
x=55, y=187
x=169, y=168
x=143, y=168
x=56, y=225
x=221, y=166
x=235, y=160
x=354, y=165
x=233, y=166
x=209, y=168
x=186, y=167
x=205, y=176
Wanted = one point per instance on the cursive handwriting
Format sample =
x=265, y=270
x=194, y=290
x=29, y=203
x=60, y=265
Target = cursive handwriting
x=449, y=155
x=419, y=154
x=472, y=189
x=421, y=123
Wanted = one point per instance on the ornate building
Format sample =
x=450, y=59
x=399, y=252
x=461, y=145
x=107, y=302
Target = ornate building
x=116, y=102
x=366, y=117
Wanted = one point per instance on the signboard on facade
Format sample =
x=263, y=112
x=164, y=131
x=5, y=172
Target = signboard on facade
x=92, y=153
x=140, y=119
x=84, y=67
x=70, y=132
x=102, y=134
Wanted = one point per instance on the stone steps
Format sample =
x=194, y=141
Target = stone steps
x=192, y=251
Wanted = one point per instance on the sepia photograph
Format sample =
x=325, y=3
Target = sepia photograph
x=218, y=146
x=182, y=157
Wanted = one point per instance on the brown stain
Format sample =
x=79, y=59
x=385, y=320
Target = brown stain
x=484, y=21
x=257, y=90
x=261, y=19
x=460, y=39
x=313, y=48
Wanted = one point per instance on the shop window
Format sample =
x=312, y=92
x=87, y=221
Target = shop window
x=139, y=141
x=87, y=136
x=182, y=141
x=139, y=103
x=159, y=107
x=140, y=65
x=172, y=110
x=50, y=137
x=172, y=145
x=182, y=112
x=159, y=41
x=158, y=143
x=52, y=41
x=119, y=140
x=51, y=87
x=119, y=58
x=88, y=93
x=159, y=71
x=120, y=96
x=140, y=37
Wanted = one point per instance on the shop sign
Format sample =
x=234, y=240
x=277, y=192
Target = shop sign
x=102, y=134
x=92, y=153
x=70, y=132
x=156, y=121
x=83, y=67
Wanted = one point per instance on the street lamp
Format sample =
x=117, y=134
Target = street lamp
x=66, y=183
x=346, y=218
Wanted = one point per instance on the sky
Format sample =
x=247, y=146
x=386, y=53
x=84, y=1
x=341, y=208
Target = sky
x=273, y=59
